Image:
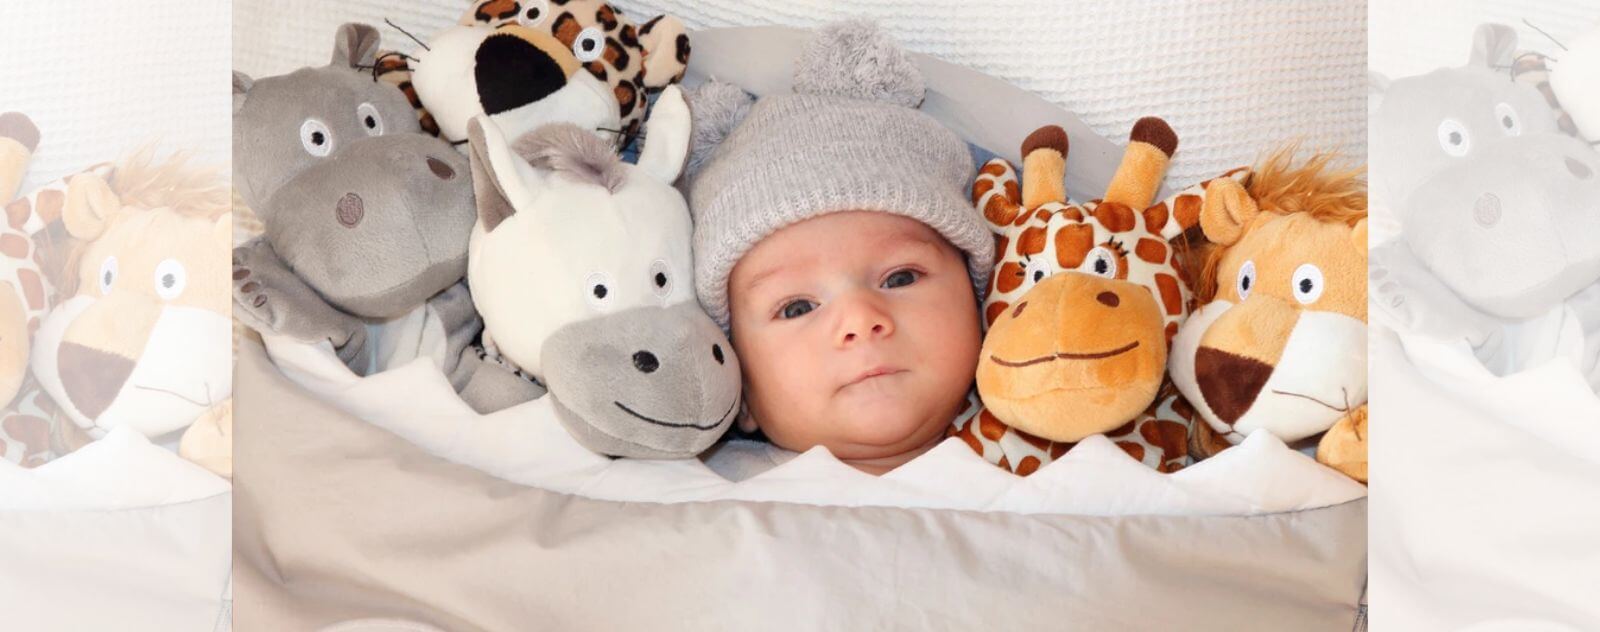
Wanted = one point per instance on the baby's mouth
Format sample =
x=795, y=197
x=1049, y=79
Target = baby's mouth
x=870, y=374
x=1096, y=355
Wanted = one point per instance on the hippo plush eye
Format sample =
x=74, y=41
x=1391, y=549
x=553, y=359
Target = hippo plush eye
x=315, y=138
x=1101, y=262
x=1307, y=281
x=368, y=117
x=533, y=12
x=1038, y=270
x=1453, y=138
x=171, y=277
x=1247, y=279
x=661, y=278
x=108, y=275
x=1510, y=123
x=598, y=290
x=590, y=44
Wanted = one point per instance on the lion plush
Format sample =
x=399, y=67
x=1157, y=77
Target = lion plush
x=142, y=339
x=1280, y=341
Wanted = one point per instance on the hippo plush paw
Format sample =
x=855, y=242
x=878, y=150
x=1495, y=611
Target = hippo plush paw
x=271, y=299
x=1410, y=298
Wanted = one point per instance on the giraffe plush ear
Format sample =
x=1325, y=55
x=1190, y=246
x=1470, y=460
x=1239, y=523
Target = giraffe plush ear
x=996, y=194
x=1226, y=210
x=90, y=203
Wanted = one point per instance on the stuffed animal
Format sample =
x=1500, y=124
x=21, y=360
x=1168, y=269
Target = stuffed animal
x=580, y=265
x=25, y=293
x=1280, y=341
x=1572, y=84
x=143, y=338
x=529, y=62
x=1496, y=204
x=366, y=222
x=1084, y=302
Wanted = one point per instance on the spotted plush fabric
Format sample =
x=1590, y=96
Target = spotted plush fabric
x=34, y=431
x=637, y=60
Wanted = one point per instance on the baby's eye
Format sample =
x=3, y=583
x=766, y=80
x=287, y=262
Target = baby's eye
x=901, y=278
x=796, y=309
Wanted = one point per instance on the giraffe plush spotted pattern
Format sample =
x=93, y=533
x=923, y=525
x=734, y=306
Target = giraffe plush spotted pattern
x=1083, y=306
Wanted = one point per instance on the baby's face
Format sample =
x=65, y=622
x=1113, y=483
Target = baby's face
x=857, y=331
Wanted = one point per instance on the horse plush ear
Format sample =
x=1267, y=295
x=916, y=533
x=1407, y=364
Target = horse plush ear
x=1227, y=210
x=355, y=46
x=493, y=204
x=666, y=136
x=90, y=202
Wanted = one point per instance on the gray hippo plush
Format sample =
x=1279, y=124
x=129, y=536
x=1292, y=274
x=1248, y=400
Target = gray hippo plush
x=1497, y=207
x=366, y=219
x=580, y=265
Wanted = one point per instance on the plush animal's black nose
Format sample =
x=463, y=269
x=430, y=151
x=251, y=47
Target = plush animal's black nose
x=716, y=352
x=646, y=362
x=512, y=72
x=1578, y=169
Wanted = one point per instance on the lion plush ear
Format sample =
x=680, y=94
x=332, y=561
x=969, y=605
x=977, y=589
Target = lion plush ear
x=90, y=202
x=1358, y=237
x=1228, y=208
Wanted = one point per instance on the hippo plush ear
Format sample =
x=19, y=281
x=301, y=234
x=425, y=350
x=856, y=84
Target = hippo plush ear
x=90, y=202
x=241, y=89
x=355, y=45
x=666, y=137
x=1493, y=46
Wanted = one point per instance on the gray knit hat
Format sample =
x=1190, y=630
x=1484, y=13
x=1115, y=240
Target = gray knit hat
x=849, y=138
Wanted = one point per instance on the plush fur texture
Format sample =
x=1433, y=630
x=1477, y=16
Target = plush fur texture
x=1280, y=342
x=717, y=109
x=856, y=59
x=567, y=149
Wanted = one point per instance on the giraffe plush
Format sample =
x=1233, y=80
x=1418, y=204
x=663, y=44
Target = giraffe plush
x=1084, y=302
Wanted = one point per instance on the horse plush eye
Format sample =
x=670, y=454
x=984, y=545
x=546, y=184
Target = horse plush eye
x=315, y=138
x=1247, y=279
x=661, y=278
x=533, y=12
x=1308, y=283
x=590, y=44
x=171, y=278
x=1510, y=123
x=108, y=275
x=370, y=121
x=598, y=291
x=1101, y=262
x=1453, y=138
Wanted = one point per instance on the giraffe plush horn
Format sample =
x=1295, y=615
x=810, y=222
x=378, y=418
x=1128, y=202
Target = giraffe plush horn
x=1144, y=164
x=1044, y=166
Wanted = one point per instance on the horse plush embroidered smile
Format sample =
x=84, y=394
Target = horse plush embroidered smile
x=580, y=266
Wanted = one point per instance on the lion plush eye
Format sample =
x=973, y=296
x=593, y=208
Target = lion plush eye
x=1308, y=283
x=1510, y=123
x=1247, y=279
x=315, y=138
x=590, y=44
x=108, y=275
x=533, y=12
x=1101, y=262
x=598, y=291
x=1453, y=138
x=171, y=278
x=368, y=117
x=660, y=278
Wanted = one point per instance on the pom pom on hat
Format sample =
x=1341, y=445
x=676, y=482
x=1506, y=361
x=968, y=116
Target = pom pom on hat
x=715, y=108
x=856, y=59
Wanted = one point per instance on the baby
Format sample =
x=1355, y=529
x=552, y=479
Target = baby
x=834, y=239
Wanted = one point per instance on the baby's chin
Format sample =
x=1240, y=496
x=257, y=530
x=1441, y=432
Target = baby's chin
x=876, y=420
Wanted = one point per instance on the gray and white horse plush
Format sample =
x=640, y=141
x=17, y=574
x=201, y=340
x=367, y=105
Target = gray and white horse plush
x=581, y=267
x=1498, y=213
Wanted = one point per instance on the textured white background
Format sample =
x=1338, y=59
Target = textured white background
x=103, y=77
x=1233, y=77
x=1411, y=37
